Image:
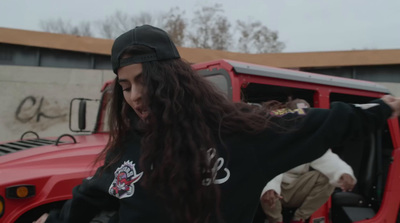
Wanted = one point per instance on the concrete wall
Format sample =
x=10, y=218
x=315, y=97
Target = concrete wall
x=38, y=98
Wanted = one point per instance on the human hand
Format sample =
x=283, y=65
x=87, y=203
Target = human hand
x=42, y=218
x=394, y=103
x=270, y=198
x=346, y=182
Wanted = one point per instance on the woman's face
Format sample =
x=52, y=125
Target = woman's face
x=131, y=80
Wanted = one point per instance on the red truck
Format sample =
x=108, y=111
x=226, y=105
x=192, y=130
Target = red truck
x=38, y=174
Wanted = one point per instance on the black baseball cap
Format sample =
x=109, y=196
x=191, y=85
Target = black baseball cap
x=145, y=35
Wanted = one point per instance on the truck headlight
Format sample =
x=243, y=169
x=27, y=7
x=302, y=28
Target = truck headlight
x=20, y=191
x=1, y=206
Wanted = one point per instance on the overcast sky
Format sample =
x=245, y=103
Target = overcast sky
x=303, y=25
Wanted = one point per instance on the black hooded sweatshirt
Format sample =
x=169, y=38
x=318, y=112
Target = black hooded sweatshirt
x=245, y=164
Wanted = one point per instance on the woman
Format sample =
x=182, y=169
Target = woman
x=179, y=151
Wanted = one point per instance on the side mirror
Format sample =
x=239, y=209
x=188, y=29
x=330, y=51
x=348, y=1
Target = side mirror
x=82, y=115
x=78, y=113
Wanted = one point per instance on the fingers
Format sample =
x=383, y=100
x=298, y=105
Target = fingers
x=346, y=188
x=271, y=203
x=42, y=218
x=346, y=182
x=394, y=103
x=275, y=199
x=388, y=98
x=270, y=198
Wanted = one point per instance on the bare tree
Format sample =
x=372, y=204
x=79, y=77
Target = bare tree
x=120, y=22
x=220, y=34
x=210, y=26
x=145, y=18
x=245, y=33
x=61, y=26
x=209, y=29
x=175, y=25
x=112, y=26
x=257, y=38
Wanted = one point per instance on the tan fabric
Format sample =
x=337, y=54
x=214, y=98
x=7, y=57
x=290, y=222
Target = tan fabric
x=309, y=192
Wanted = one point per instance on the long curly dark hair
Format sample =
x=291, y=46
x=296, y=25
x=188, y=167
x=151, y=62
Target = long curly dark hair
x=188, y=115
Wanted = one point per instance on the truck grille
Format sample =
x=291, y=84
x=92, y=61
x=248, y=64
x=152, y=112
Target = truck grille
x=12, y=147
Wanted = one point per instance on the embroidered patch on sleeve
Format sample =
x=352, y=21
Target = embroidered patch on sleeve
x=284, y=111
x=124, y=179
x=217, y=167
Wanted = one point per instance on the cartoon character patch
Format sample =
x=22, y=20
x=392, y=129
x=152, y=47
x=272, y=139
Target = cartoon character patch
x=124, y=179
x=285, y=111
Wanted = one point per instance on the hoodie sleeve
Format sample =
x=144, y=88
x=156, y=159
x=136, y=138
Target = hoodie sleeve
x=315, y=130
x=333, y=167
x=89, y=199
x=274, y=184
x=346, y=121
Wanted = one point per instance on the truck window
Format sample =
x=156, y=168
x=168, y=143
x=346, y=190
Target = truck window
x=256, y=93
x=220, y=81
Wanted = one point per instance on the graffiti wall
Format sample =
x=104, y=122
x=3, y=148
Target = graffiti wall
x=38, y=99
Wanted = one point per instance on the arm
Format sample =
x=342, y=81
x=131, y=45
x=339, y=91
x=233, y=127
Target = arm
x=89, y=198
x=271, y=192
x=319, y=130
x=274, y=184
x=270, y=198
x=346, y=182
x=340, y=174
x=394, y=103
